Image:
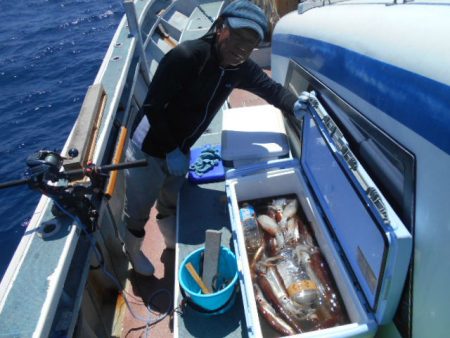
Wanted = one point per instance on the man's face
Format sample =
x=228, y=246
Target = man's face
x=235, y=45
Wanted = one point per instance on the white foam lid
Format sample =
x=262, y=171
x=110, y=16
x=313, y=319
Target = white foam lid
x=255, y=132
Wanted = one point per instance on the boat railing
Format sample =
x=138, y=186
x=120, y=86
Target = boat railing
x=168, y=29
x=306, y=5
x=135, y=30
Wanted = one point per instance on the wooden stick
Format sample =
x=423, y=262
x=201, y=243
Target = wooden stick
x=196, y=277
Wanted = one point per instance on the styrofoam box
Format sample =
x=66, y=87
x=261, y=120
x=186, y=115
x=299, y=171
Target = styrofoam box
x=249, y=184
x=253, y=134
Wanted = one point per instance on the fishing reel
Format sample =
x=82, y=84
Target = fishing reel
x=45, y=165
x=45, y=174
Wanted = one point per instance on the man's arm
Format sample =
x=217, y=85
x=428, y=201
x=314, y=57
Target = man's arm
x=259, y=83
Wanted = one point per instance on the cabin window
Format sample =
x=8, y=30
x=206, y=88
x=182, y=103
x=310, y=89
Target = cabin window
x=390, y=165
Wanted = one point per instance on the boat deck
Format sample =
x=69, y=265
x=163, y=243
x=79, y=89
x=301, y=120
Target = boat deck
x=202, y=207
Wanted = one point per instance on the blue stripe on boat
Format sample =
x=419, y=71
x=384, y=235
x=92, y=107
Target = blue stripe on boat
x=420, y=103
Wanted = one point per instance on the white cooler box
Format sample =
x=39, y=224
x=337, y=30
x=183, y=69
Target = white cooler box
x=253, y=134
x=366, y=245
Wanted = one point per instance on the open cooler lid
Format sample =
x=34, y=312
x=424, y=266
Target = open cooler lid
x=374, y=240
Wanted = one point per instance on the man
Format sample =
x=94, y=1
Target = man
x=190, y=85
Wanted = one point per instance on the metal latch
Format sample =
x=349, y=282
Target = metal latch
x=374, y=196
x=340, y=142
x=342, y=146
x=349, y=158
x=331, y=126
x=332, y=129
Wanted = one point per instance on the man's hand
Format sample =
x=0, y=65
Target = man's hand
x=177, y=162
x=301, y=105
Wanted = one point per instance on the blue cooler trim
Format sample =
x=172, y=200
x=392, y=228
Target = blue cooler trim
x=252, y=169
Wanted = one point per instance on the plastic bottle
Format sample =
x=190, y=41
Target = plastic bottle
x=252, y=235
x=300, y=287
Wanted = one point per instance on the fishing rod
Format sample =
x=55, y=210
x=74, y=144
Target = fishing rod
x=72, y=193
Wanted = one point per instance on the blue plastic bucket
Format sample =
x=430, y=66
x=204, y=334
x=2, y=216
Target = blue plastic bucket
x=227, y=270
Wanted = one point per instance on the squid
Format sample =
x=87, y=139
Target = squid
x=273, y=288
x=289, y=210
x=270, y=226
x=293, y=288
x=270, y=314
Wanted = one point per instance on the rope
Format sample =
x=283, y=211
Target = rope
x=208, y=159
x=148, y=322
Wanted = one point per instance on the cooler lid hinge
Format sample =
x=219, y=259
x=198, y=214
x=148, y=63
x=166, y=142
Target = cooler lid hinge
x=329, y=124
x=374, y=196
x=348, y=157
x=342, y=146
x=334, y=132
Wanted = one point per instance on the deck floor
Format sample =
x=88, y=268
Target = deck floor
x=141, y=289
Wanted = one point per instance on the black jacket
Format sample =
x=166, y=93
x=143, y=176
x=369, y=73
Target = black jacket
x=188, y=89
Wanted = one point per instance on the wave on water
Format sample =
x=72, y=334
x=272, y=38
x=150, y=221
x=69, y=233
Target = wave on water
x=50, y=54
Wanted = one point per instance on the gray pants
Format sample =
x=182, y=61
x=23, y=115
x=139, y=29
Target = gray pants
x=145, y=185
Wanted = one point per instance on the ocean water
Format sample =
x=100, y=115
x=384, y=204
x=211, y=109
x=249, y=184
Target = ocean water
x=50, y=52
